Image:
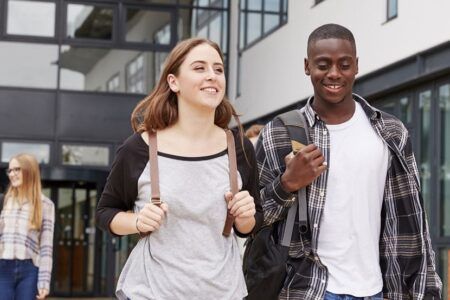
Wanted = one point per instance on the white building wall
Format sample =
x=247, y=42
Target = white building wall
x=272, y=72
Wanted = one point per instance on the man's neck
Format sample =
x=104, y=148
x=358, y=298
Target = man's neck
x=334, y=113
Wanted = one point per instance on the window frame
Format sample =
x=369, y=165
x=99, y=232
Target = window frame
x=244, y=11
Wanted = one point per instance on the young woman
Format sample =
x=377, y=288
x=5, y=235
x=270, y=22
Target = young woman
x=185, y=256
x=26, y=233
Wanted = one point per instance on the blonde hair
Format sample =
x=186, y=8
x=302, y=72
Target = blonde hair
x=30, y=189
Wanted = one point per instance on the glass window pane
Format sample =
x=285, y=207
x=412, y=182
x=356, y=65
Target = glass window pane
x=444, y=263
x=253, y=27
x=241, y=30
x=135, y=75
x=113, y=85
x=425, y=155
x=272, y=5
x=40, y=151
x=19, y=68
x=392, y=9
x=146, y=26
x=31, y=18
x=444, y=107
x=158, y=1
x=254, y=4
x=405, y=110
x=90, y=69
x=89, y=22
x=211, y=24
x=270, y=22
x=77, y=155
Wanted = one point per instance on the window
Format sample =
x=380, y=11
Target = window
x=77, y=155
x=89, y=22
x=444, y=176
x=258, y=18
x=142, y=25
x=113, y=84
x=135, y=75
x=20, y=69
x=40, y=151
x=392, y=9
x=33, y=18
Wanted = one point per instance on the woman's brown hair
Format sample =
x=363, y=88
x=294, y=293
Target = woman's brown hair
x=159, y=109
x=30, y=189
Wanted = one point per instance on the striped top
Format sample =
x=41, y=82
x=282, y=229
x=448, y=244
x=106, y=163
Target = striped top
x=17, y=241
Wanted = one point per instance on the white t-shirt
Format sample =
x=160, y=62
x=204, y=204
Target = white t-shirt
x=349, y=233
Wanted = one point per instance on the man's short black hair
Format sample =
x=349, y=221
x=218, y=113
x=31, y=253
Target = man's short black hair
x=331, y=31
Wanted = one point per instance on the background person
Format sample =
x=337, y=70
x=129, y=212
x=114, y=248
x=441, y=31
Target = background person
x=26, y=233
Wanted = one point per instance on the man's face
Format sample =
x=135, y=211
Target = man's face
x=332, y=65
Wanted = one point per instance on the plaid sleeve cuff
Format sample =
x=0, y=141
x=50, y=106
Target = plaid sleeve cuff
x=280, y=195
x=43, y=284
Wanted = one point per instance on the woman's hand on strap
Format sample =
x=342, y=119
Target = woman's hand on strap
x=242, y=207
x=151, y=217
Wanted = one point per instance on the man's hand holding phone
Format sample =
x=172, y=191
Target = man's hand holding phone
x=302, y=167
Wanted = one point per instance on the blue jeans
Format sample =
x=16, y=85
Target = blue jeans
x=331, y=296
x=18, y=279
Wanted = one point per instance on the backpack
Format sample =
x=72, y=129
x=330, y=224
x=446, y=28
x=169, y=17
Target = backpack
x=266, y=256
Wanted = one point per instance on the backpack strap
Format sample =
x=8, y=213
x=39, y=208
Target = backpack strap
x=298, y=132
x=2, y=198
x=154, y=174
x=233, y=179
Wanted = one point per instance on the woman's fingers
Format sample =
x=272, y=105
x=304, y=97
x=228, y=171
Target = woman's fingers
x=241, y=205
x=151, y=217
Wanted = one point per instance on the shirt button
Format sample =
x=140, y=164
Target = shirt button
x=323, y=280
x=325, y=132
x=315, y=225
x=322, y=194
x=316, y=258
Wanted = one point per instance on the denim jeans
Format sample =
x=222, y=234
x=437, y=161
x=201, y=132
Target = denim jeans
x=331, y=296
x=18, y=279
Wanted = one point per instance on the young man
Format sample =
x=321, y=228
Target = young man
x=368, y=235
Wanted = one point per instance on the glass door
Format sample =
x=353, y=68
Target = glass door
x=74, y=245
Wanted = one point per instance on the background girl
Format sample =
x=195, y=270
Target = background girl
x=26, y=233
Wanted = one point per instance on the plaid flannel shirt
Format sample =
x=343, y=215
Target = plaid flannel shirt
x=406, y=257
x=17, y=241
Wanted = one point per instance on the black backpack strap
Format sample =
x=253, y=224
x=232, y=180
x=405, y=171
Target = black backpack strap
x=2, y=197
x=298, y=132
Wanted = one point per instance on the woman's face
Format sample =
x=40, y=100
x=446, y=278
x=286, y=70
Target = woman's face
x=15, y=173
x=201, y=78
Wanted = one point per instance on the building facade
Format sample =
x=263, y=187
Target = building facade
x=71, y=71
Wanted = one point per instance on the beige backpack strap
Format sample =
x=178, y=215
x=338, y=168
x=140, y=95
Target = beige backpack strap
x=154, y=171
x=233, y=179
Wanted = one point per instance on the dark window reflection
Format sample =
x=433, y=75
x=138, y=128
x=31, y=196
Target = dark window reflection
x=89, y=22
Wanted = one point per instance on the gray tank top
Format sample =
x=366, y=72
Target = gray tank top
x=188, y=257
